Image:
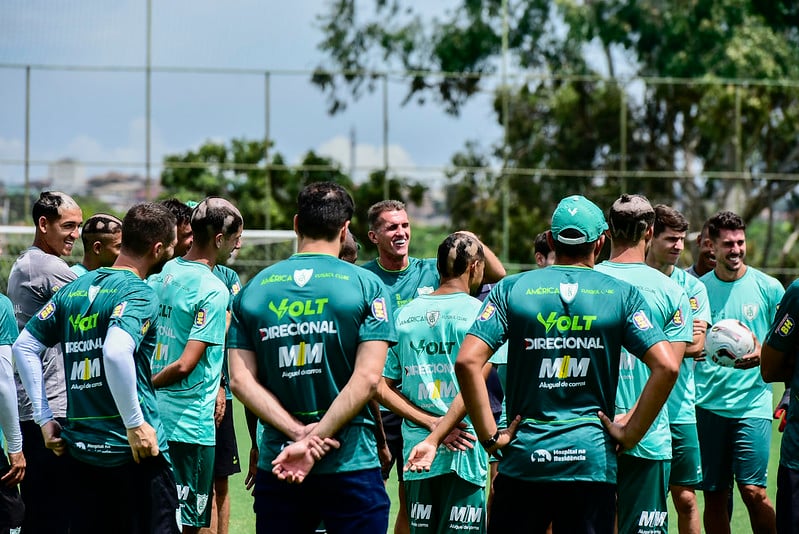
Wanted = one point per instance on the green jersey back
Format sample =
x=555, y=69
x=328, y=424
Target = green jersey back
x=304, y=319
x=682, y=400
x=80, y=315
x=232, y=281
x=565, y=328
x=430, y=330
x=193, y=306
x=671, y=310
x=420, y=277
x=784, y=337
x=753, y=300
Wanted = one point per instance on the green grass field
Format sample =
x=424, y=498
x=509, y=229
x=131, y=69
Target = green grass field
x=242, y=519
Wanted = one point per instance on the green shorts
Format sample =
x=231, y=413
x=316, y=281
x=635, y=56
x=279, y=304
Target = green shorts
x=445, y=503
x=642, y=488
x=686, y=462
x=194, y=475
x=732, y=447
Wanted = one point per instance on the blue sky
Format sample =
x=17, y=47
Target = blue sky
x=99, y=116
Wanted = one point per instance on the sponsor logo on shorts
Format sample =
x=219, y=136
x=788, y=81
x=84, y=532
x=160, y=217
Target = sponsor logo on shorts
x=786, y=326
x=488, y=312
x=558, y=455
x=379, y=310
x=652, y=519
x=46, y=312
x=641, y=321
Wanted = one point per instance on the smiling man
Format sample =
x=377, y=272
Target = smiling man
x=34, y=278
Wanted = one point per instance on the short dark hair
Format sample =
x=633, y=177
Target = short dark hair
x=668, y=217
x=629, y=218
x=180, y=210
x=212, y=216
x=456, y=252
x=99, y=224
x=541, y=245
x=579, y=251
x=349, y=248
x=50, y=204
x=322, y=210
x=724, y=220
x=376, y=209
x=145, y=225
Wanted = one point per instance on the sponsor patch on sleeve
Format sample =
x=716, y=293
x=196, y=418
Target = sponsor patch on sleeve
x=47, y=311
x=379, y=310
x=641, y=321
x=694, y=303
x=677, y=318
x=488, y=312
x=119, y=310
x=201, y=317
x=145, y=327
x=786, y=326
x=235, y=288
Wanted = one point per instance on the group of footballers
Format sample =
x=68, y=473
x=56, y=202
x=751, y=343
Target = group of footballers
x=123, y=420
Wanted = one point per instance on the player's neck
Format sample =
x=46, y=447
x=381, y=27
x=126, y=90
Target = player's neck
x=205, y=256
x=627, y=254
x=393, y=263
x=725, y=275
x=452, y=285
x=663, y=267
x=307, y=245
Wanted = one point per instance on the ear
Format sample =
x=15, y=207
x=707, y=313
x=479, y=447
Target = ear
x=550, y=240
x=372, y=237
x=218, y=238
x=599, y=244
x=157, y=249
x=342, y=235
x=96, y=247
x=295, y=226
x=42, y=224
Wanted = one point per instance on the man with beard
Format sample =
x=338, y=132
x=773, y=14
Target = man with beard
x=106, y=321
x=733, y=405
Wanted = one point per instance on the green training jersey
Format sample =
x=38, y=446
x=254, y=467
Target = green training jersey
x=671, y=310
x=79, y=316
x=784, y=337
x=420, y=277
x=232, y=281
x=193, y=306
x=430, y=330
x=682, y=400
x=753, y=300
x=565, y=327
x=304, y=318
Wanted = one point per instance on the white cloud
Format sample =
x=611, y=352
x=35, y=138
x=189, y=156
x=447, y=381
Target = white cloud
x=367, y=157
x=11, y=149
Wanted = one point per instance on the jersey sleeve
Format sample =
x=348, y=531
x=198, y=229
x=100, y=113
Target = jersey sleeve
x=378, y=320
x=237, y=336
x=680, y=326
x=697, y=297
x=44, y=324
x=8, y=323
x=640, y=332
x=210, y=317
x=392, y=369
x=783, y=335
x=491, y=324
x=135, y=313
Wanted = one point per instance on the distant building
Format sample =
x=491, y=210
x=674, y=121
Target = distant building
x=121, y=191
x=67, y=175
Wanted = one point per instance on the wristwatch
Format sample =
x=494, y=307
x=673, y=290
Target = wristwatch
x=490, y=442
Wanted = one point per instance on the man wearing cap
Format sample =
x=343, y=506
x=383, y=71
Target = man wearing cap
x=644, y=470
x=565, y=327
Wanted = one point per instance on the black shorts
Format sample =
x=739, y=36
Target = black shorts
x=787, y=500
x=130, y=499
x=392, y=425
x=45, y=484
x=226, y=459
x=12, y=509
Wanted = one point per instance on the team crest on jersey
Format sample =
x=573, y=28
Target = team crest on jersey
x=641, y=321
x=750, y=311
x=786, y=326
x=424, y=290
x=301, y=276
x=568, y=292
x=93, y=290
x=47, y=311
x=202, y=502
x=488, y=312
x=694, y=303
x=379, y=310
x=200, y=318
x=119, y=310
x=677, y=318
x=432, y=317
x=235, y=288
x=145, y=327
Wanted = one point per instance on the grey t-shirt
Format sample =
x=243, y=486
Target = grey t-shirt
x=34, y=278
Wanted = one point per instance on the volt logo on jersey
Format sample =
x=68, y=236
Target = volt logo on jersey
x=566, y=323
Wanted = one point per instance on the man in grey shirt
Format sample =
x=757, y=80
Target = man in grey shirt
x=35, y=276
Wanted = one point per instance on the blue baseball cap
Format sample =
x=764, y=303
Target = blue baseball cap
x=578, y=213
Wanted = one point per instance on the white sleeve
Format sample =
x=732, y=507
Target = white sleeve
x=27, y=351
x=120, y=371
x=9, y=414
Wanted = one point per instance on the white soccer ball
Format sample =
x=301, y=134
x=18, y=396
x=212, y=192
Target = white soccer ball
x=727, y=341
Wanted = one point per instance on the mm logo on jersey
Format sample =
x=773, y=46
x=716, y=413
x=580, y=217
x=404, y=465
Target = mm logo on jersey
x=298, y=308
x=786, y=326
x=465, y=514
x=85, y=369
x=47, y=311
x=566, y=367
x=300, y=355
x=431, y=348
x=651, y=519
x=567, y=323
x=83, y=323
x=421, y=511
x=438, y=389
